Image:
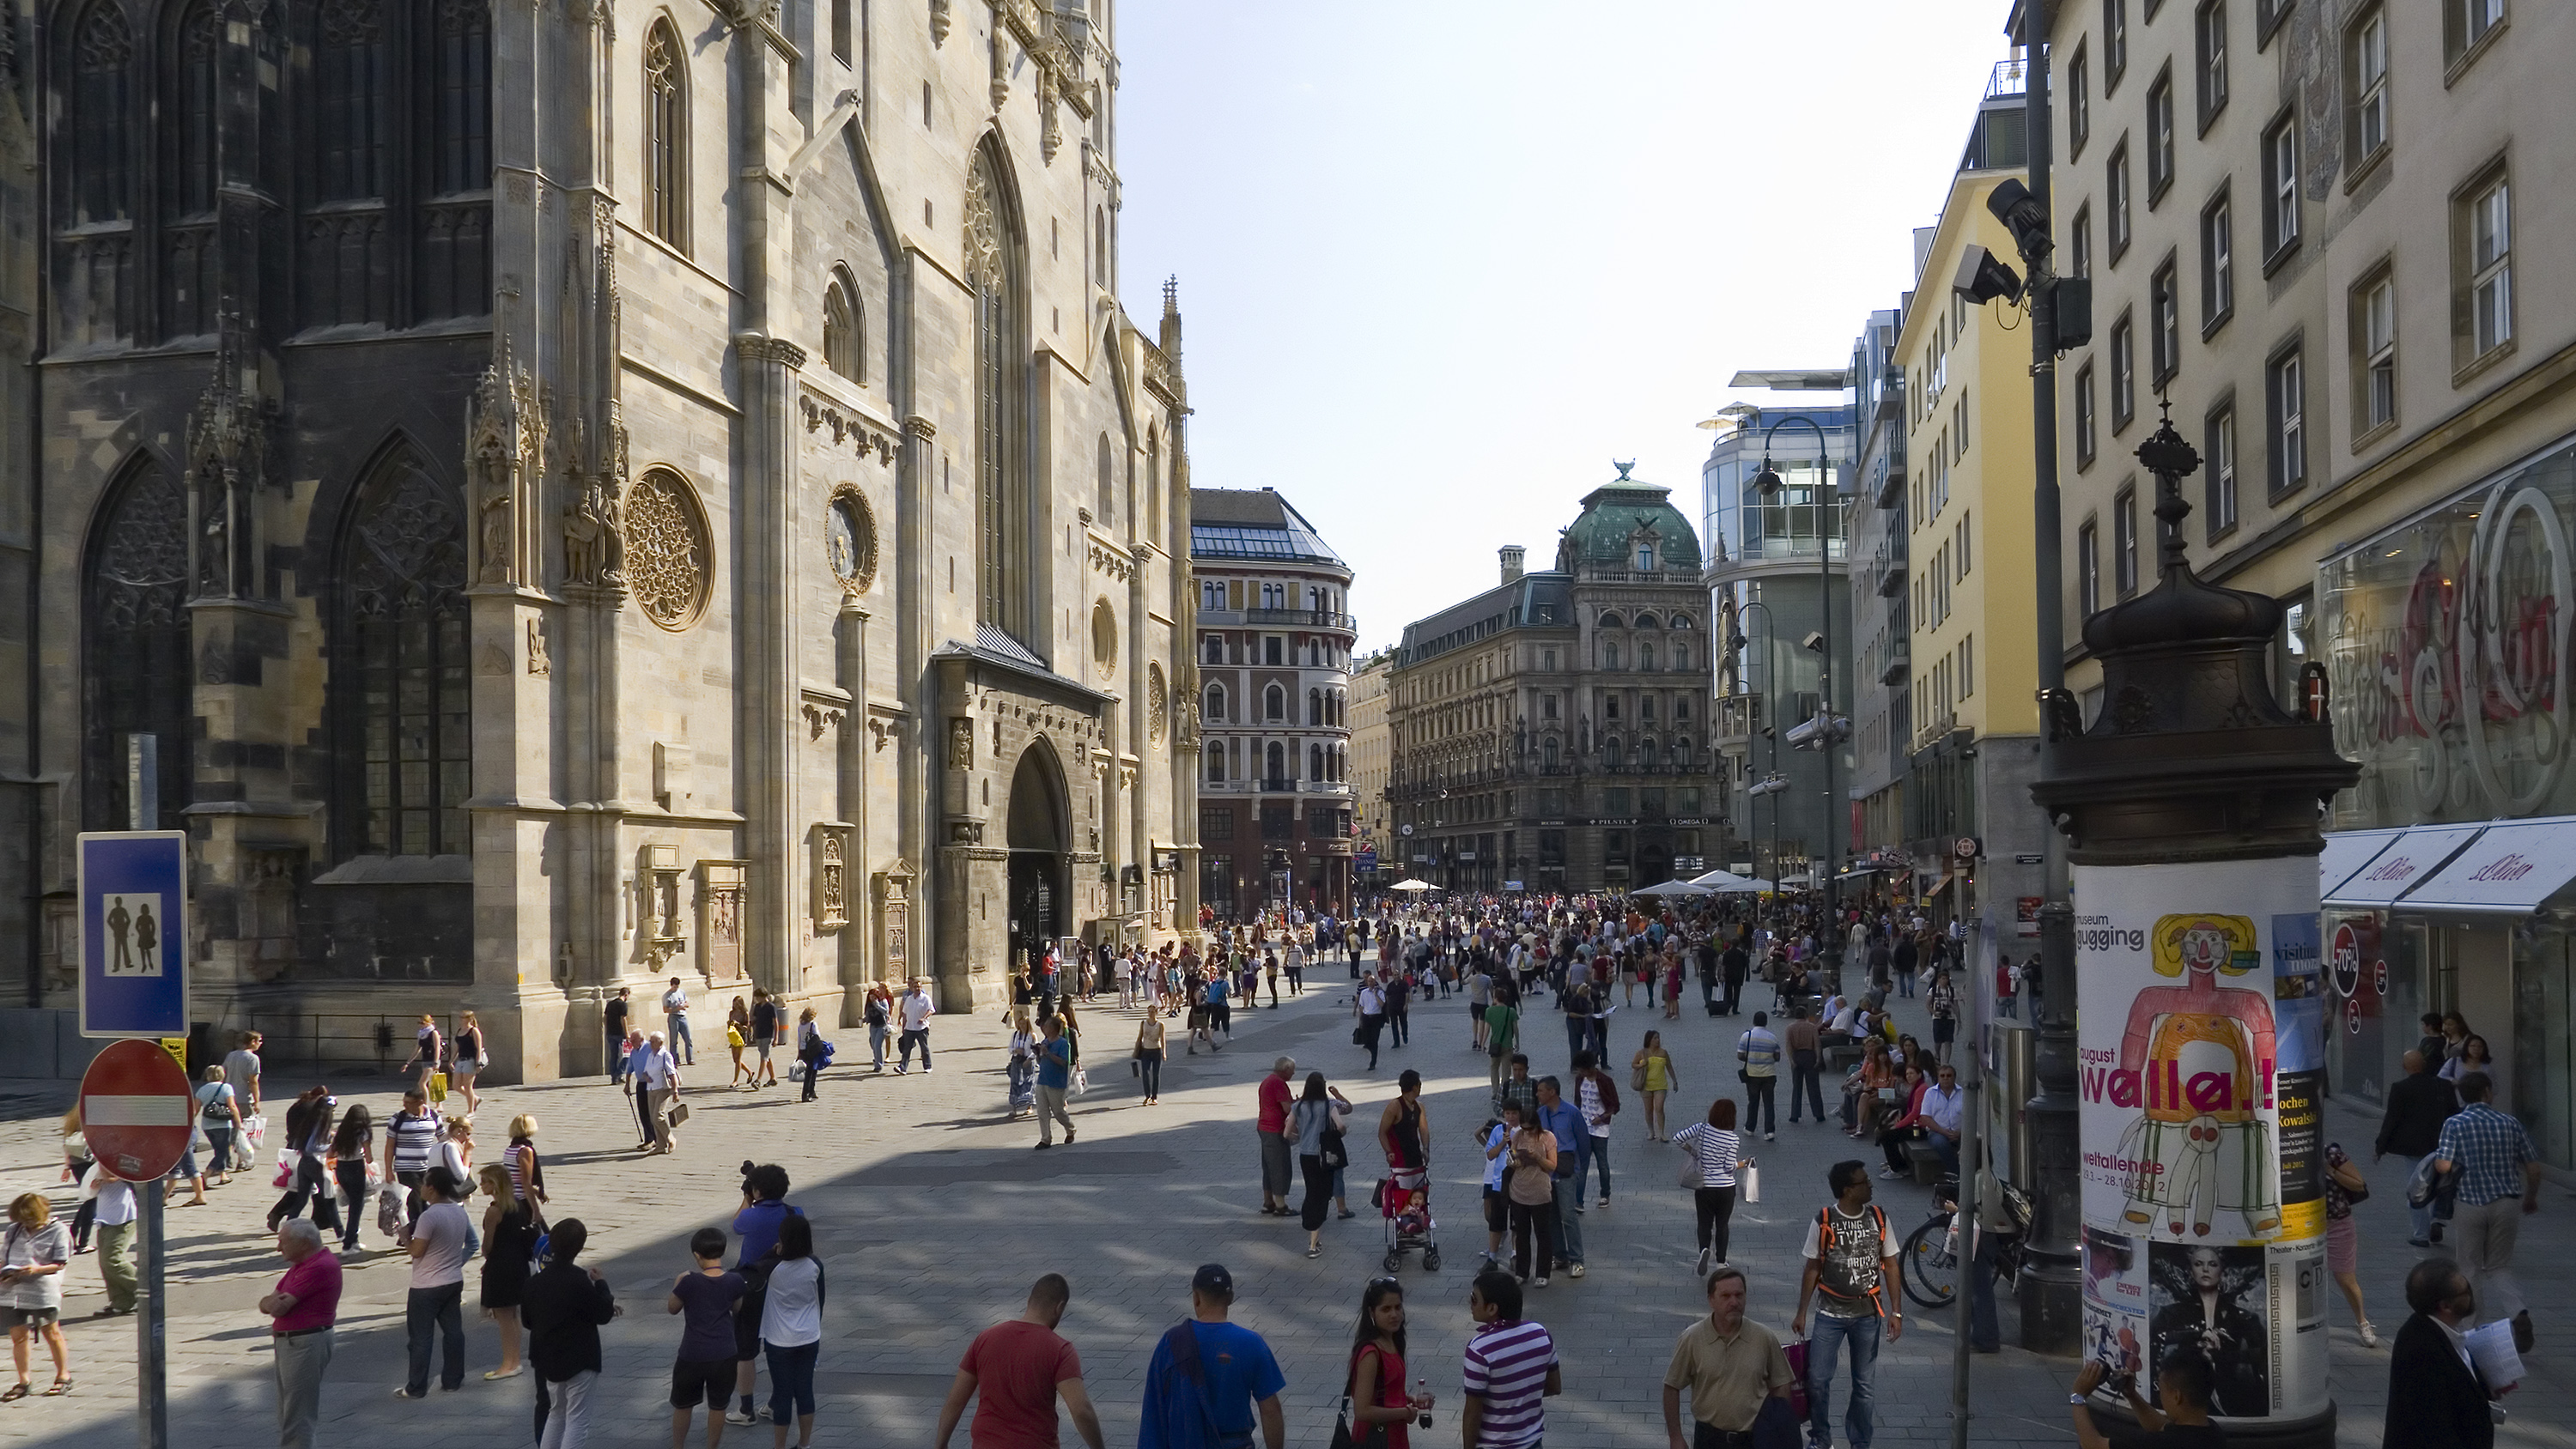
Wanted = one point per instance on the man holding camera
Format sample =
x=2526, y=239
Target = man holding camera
x=764, y=1207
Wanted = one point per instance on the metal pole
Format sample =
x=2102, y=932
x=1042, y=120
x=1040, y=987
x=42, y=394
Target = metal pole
x=1830, y=938
x=2052, y=1283
x=1972, y=1175
x=152, y=1372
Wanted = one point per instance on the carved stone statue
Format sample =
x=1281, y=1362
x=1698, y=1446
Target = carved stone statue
x=584, y=535
x=499, y=561
x=961, y=744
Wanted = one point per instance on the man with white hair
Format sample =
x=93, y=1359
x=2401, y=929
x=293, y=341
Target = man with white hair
x=661, y=1078
x=301, y=1309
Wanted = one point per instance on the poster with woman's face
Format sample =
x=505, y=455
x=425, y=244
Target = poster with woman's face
x=2209, y=1302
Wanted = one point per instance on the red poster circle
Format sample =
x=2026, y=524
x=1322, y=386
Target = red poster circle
x=2352, y=1015
x=2379, y=978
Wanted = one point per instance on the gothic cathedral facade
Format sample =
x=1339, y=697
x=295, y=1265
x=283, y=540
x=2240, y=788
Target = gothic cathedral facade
x=560, y=494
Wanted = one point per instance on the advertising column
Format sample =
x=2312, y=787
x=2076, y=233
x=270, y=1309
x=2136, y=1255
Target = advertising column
x=2190, y=804
x=2201, y=1043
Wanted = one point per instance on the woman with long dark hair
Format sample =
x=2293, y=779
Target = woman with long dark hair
x=1376, y=1386
x=1311, y=1123
x=308, y=1135
x=1716, y=1150
x=354, y=1144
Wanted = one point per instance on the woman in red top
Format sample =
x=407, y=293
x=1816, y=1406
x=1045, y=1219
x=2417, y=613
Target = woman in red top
x=1377, y=1369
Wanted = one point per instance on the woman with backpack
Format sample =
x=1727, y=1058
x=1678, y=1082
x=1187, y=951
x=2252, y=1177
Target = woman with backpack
x=1321, y=1149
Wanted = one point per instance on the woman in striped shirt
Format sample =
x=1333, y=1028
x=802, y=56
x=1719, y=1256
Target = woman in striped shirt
x=1716, y=1151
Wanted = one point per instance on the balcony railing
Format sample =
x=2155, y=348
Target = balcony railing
x=1291, y=618
x=1900, y=662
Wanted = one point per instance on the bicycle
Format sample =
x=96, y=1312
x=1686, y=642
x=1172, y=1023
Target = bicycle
x=1929, y=1262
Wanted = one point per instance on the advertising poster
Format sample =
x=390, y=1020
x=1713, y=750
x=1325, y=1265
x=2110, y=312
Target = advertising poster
x=2200, y=1066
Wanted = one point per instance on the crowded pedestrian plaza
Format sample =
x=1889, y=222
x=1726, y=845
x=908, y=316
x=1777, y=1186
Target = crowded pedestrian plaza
x=931, y=1217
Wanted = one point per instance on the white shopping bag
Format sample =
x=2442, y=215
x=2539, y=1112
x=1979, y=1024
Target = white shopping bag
x=1751, y=1177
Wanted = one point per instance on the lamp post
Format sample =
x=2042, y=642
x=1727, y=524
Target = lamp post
x=1828, y=735
x=1770, y=689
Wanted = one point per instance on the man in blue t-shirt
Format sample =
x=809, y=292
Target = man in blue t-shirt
x=1209, y=1376
x=1219, y=1018
x=764, y=1207
x=1055, y=1079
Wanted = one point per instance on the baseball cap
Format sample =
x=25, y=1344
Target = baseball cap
x=1213, y=1279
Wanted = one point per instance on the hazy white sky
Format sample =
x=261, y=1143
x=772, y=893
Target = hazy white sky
x=1441, y=261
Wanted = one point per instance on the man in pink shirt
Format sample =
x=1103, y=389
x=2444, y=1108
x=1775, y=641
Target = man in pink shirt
x=1276, y=1161
x=301, y=1310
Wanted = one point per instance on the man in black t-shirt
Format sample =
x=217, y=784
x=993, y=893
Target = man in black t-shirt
x=613, y=1022
x=2179, y=1418
x=764, y=1035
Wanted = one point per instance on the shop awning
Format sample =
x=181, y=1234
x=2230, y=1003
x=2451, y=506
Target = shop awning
x=2406, y=862
x=2510, y=869
x=2346, y=853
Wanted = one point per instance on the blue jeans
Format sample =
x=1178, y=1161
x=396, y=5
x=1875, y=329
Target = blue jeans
x=1569, y=1228
x=1825, y=1334
x=1985, y=1335
x=1905, y=983
x=1594, y=1150
x=791, y=1379
x=681, y=1041
x=877, y=1045
x=435, y=1310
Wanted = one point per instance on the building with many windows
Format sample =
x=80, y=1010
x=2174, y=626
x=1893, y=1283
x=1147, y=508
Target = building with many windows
x=1274, y=636
x=525, y=564
x=1551, y=733
x=1372, y=745
x=2326, y=235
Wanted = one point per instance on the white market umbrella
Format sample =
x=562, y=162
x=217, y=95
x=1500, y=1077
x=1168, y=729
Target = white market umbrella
x=1718, y=880
x=1749, y=885
x=1674, y=888
x=1413, y=885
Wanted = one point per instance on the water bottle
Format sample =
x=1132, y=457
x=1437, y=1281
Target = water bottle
x=1422, y=1389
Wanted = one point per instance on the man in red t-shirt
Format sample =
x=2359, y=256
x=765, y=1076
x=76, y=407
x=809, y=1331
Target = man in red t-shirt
x=1277, y=1163
x=1015, y=1371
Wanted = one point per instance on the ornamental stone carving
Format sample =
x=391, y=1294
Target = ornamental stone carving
x=667, y=551
x=983, y=232
x=850, y=540
x=1157, y=704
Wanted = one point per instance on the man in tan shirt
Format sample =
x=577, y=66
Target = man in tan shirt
x=1729, y=1364
x=1806, y=1064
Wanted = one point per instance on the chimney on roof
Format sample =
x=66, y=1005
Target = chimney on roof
x=1512, y=554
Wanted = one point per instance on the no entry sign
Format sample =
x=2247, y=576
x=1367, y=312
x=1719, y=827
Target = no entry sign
x=135, y=1110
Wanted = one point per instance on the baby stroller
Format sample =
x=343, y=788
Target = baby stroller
x=1404, y=1196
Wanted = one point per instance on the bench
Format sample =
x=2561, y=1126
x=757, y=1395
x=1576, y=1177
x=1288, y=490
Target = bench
x=1927, y=1163
x=1842, y=1056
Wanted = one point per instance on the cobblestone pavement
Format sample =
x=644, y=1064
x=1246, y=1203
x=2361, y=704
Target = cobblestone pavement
x=933, y=1215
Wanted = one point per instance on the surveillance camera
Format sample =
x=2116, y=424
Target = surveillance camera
x=1815, y=642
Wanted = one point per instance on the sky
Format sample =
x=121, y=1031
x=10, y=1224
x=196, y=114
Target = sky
x=1440, y=262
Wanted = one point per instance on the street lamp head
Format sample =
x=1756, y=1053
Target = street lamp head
x=2012, y=204
x=1768, y=480
x=1814, y=643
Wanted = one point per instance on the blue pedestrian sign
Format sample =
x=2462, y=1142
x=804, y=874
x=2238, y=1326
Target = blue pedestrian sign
x=134, y=933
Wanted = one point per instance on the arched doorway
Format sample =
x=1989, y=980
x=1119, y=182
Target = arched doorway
x=1038, y=837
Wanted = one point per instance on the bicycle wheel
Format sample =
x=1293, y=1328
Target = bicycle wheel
x=1929, y=1268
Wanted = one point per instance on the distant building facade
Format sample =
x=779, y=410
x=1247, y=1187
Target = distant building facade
x=1551, y=733
x=1274, y=638
x=1372, y=745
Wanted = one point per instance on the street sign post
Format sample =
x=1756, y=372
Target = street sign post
x=137, y=1115
x=134, y=933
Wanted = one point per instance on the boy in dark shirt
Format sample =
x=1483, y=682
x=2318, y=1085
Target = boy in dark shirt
x=704, y=1369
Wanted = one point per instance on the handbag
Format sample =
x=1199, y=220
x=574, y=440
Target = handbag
x=1748, y=1180
x=1637, y=1077
x=2358, y=1190
x=1374, y=1437
x=679, y=1113
x=1690, y=1175
x=438, y=1086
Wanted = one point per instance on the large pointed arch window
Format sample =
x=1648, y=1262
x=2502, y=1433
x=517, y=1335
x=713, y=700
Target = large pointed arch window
x=349, y=81
x=399, y=666
x=993, y=268
x=102, y=174
x=137, y=666
x=190, y=177
x=666, y=137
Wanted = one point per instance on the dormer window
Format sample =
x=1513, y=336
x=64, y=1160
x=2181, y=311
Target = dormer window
x=1645, y=558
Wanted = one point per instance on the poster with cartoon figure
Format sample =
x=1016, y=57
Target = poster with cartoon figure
x=2198, y=1058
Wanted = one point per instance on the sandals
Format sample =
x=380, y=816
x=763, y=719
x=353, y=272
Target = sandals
x=61, y=1386
x=14, y=1392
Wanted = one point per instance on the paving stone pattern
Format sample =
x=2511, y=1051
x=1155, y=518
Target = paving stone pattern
x=933, y=1215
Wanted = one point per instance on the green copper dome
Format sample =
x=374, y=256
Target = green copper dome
x=1607, y=534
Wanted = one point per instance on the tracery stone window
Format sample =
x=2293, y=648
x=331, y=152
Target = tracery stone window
x=423, y=128
x=667, y=549
x=455, y=213
x=993, y=269
x=98, y=260
x=666, y=137
x=841, y=313
x=400, y=671
x=137, y=662
x=188, y=278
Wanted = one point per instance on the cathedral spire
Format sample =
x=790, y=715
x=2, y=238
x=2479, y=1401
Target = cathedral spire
x=1171, y=339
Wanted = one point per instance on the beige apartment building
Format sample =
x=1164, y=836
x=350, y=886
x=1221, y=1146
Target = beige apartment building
x=1372, y=752
x=2326, y=234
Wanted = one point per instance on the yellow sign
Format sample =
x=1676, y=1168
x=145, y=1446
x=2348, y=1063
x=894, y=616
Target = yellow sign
x=177, y=1047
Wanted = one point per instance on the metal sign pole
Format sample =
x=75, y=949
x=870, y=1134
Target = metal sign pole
x=1972, y=1139
x=152, y=1374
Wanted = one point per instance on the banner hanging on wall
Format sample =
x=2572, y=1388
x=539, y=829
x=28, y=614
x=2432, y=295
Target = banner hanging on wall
x=2202, y=1056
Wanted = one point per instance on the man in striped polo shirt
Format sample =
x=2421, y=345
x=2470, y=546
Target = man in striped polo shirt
x=1511, y=1368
